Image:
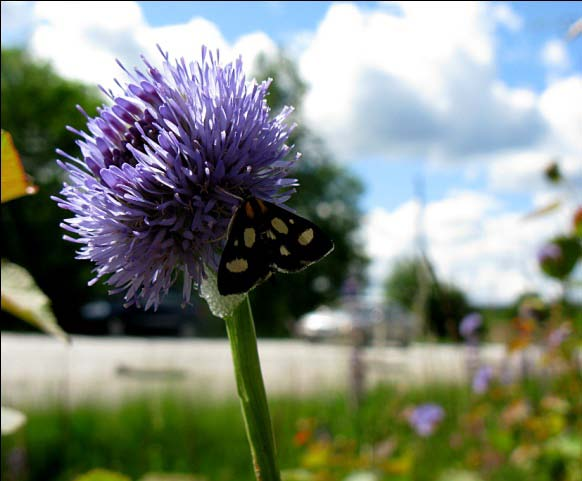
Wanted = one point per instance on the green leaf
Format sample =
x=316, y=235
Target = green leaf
x=15, y=182
x=459, y=475
x=561, y=267
x=171, y=477
x=12, y=420
x=22, y=298
x=102, y=475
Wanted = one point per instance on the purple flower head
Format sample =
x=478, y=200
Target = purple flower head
x=549, y=252
x=469, y=325
x=164, y=167
x=425, y=418
x=482, y=379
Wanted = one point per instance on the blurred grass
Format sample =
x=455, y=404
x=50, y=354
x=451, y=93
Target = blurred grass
x=172, y=434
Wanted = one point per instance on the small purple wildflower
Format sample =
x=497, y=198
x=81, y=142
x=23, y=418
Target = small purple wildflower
x=425, y=418
x=164, y=167
x=469, y=325
x=482, y=379
x=558, y=336
x=549, y=252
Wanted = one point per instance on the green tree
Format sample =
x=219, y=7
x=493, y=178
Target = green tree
x=328, y=195
x=446, y=304
x=36, y=106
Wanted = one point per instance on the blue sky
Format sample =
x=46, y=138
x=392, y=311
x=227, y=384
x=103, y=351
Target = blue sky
x=472, y=98
x=518, y=64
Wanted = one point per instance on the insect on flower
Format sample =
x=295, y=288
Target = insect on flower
x=263, y=238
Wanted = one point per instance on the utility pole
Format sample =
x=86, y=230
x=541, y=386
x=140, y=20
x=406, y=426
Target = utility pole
x=424, y=271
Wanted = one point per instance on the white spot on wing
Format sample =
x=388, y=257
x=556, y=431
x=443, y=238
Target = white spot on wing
x=279, y=225
x=249, y=236
x=306, y=237
x=237, y=266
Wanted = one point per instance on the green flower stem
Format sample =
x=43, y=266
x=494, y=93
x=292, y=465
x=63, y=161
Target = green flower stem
x=251, y=391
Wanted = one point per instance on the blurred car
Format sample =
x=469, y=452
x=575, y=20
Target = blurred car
x=108, y=316
x=357, y=323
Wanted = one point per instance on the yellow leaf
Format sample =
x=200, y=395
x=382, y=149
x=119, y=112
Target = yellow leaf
x=22, y=298
x=15, y=182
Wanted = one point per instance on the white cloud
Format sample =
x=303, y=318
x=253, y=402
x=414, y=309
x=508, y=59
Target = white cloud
x=561, y=105
x=473, y=241
x=554, y=55
x=420, y=82
x=524, y=171
x=504, y=15
x=83, y=39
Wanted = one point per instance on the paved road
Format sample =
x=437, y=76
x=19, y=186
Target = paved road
x=39, y=369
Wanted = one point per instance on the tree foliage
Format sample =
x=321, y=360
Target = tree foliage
x=37, y=104
x=446, y=304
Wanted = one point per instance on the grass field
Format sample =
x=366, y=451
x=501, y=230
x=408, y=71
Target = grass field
x=323, y=436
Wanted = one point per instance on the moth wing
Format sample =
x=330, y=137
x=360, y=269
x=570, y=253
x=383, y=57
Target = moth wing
x=298, y=242
x=243, y=263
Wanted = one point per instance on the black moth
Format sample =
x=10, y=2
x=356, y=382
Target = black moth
x=264, y=238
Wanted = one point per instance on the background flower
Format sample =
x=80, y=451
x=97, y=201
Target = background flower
x=470, y=324
x=425, y=418
x=549, y=252
x=482, y=379
x=163, y=168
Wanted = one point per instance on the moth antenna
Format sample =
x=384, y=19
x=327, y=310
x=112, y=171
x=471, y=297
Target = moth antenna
x=218, y=239
x=230, y=194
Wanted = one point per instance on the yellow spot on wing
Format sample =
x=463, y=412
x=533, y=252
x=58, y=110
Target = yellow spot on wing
x=249, y=236
x=284, y=251
x=306, y=237
x=237, y=265
x=279, y=225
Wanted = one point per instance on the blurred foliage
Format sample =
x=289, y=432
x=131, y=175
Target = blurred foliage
x=569, y=249
x=21, y=297
x=36, y=106
x=446, y=304
x=577, y=223
x=101, y=475
x=328, y=194
x=526, y=423
x=553, y=173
